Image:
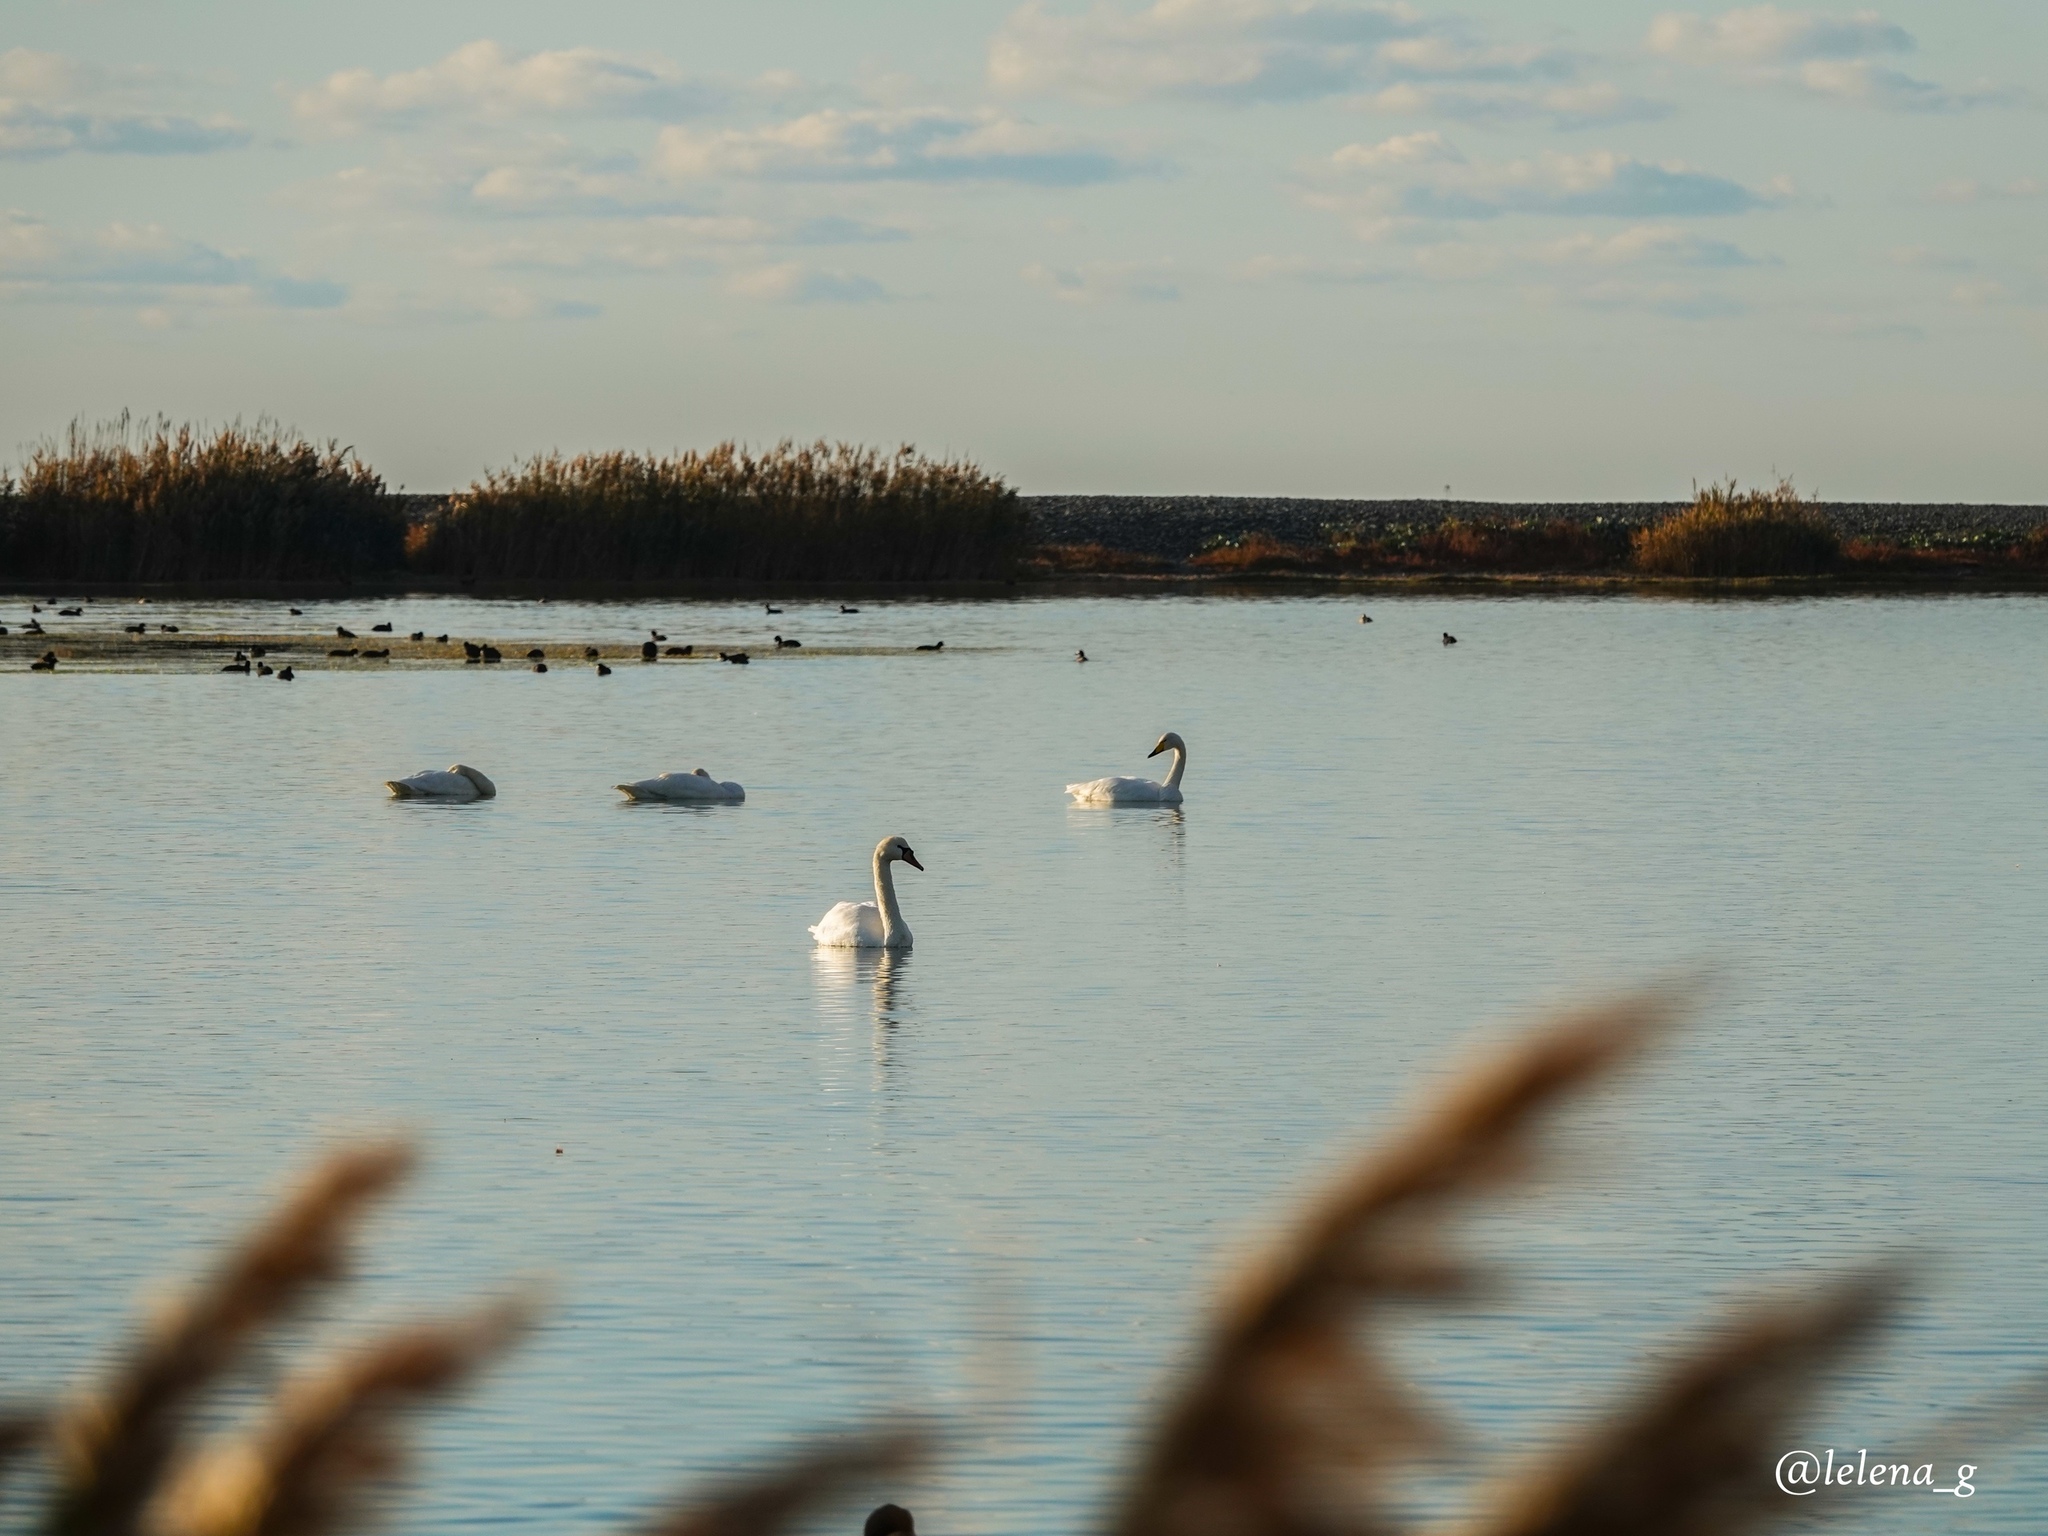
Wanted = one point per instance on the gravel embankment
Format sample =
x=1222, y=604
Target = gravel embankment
x=1175, y=527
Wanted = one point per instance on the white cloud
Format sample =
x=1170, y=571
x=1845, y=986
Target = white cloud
x=672, y=242
x=1832, y=57
x=531, y=178
x=483, y=80
x=1404, y=149
x=1764, y=34
x=1106, y=282
x=51, y=105
x=503, y=302
x=1924, y=259
x=1248, y=50
x=890, y=145
x=1592, y=104
x=792, y=282
x=1967, y=191
x=1644, y=245
x=130, y=264
x=1872, y=85
x=1420, y=176
x=1308, y=270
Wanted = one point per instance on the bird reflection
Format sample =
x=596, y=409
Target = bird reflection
x=843, y=971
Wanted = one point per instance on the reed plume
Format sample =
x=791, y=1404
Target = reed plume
x=1288, y=1414
x=772, y=1500
x=1694, y=1455
x=113, y=1448
x=19, y=1432
x=332, y=1437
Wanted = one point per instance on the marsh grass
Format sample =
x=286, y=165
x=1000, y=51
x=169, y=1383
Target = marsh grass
x=1261, y=554
x=1728, y=532
x=1454, y=546
x=1287, y=1419
x=817, y=512
x=149, y=502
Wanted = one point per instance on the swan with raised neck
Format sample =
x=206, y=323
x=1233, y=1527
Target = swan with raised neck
x=1119, y=790
x=876, y=924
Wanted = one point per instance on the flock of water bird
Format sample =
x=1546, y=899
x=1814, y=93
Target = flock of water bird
x=876, y=924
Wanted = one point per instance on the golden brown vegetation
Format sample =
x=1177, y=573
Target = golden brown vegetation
x=153, y=503
x=1261, y=553
x=1093, y=560
x=1729, y=532
x=1290, y=1420
x=820, y=512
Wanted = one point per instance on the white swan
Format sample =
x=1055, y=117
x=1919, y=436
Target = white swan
x=459, y=782
x=1122, y=791
x=693, y=787
x=876, y=924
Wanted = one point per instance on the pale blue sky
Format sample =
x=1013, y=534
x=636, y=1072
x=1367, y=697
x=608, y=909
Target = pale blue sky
x=1577, y=249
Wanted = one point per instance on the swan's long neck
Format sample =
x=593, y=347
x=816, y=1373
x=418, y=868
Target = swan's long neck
x=1180, y=761
x=885, y=898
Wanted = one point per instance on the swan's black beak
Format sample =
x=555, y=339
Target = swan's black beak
x=911, y=859
x=1157, y=750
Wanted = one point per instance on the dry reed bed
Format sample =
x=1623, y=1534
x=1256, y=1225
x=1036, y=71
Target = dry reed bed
x=122, y=503
x=1289, y=1419
x=129, y=502
x=817, y=512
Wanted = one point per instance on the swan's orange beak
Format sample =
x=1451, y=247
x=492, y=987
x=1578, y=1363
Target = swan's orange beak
x=911, y=859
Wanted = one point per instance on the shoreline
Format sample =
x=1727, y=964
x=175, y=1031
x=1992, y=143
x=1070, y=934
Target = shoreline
x=1065, y=582
x=1154, y=544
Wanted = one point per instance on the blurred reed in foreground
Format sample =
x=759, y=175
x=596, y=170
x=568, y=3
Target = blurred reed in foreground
x=1289, y=1420
x=125, y=502
x=821, y=512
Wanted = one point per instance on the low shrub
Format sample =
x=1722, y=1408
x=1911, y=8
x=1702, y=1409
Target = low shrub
x=117, y=503
x=1728, y=532
x=1255, y=553
x=793, y=513
x=1094, y=560
x=1556, y=545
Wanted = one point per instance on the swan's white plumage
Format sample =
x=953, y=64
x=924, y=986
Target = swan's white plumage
x=698, y=786
x=876, y=924
x=851, y=925
x=1119, y=790
x=457, y=782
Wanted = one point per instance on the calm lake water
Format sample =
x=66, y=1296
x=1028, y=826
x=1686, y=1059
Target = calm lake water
x=998, y=1177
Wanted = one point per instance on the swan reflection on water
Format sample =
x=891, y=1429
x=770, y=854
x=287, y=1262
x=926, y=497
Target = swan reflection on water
x=842, y=970
x=1111, y=820
x=844, y=973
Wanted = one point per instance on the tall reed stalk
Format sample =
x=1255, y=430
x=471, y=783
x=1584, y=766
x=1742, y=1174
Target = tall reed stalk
x=150, y=502
x=821, y=512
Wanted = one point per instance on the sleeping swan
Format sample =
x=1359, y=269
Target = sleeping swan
x=1122, y=791
x=698, y=786
x=459, y=782
x=876, y=924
